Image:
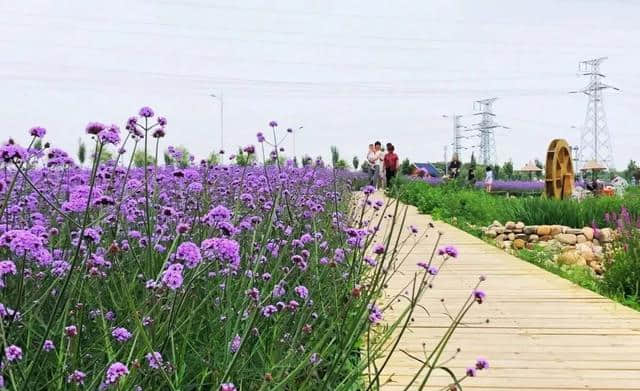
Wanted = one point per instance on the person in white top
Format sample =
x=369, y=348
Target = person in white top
x=488, y=179
x=377, y=164
x=371, y=158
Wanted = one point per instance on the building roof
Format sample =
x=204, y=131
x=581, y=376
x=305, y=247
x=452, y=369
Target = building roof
x=429, y=168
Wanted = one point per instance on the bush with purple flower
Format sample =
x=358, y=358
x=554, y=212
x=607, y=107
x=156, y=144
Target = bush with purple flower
x=219, y=274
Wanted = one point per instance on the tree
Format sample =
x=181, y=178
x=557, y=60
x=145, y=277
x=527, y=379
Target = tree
x=496, y=171
x=214, y=158
x=179, y=155
x=138, y=159
x=105, y=156
x=167, y=159
x=244, y=159
x=335, y=155
x=539, y=164
x=508, y=169
x=341, y=164
x=405, y=167
x=473, y=160
x=632, y=168
x=82, y=152
x=356, y=162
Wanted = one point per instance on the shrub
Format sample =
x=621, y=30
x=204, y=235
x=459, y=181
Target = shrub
x=623, y=272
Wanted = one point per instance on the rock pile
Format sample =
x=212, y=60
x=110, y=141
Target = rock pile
x=573, y=246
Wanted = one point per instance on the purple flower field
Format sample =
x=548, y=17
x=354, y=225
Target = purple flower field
x=500, y=185
x=199, y=276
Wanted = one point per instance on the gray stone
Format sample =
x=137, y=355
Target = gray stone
x=519, y=225
x=491, y=233
x=510, y=225
x=530, y=229
x=511, y=236
x=581, y=238
x=533, y=238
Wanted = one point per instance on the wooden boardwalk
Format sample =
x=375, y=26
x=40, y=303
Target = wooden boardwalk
x=543, y=332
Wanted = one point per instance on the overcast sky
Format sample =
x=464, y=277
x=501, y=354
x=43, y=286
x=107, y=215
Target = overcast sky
x=348, y=71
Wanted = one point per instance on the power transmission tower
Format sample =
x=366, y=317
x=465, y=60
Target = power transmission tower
x=486, y=127
x=457, y=143
x=595, y=140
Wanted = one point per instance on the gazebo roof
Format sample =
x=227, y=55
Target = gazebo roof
x=530, y=167
x=593, y=165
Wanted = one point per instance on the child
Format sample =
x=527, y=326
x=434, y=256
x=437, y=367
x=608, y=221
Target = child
x=488, y=179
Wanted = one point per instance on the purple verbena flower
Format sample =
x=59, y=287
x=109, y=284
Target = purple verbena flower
x=228, y=387
x=94, y=128
x=189, y=253
x=235, y=344
x=154, y=360
x=48, y=345
x=13, y=353
x=479, y=296
x=302, y=291
x=146, y=112
x=121, y=334
x=115, y=372
x=38, y=131
x=269, y=310
x=482, y=363
x=172, y=277
x=76, y=377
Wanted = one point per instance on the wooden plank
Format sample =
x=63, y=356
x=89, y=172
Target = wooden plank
x=543, y=333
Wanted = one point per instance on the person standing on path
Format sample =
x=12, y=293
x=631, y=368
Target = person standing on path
x=371, y=158
x=488, y=179
x=455, y=166
x=390, y=164
x=377, y=163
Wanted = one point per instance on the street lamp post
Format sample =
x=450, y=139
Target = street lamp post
x=446, y=147
x=294, y=139
x=220, y=97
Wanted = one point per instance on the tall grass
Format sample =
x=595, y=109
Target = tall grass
x=480, y=208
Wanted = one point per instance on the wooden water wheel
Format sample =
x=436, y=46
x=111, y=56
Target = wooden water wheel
x=559, y=170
